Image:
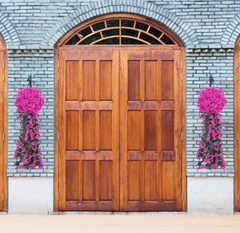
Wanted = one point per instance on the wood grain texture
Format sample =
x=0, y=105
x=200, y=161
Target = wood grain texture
x=88, y=80
x=134, y=180
x=4, y=88
x=105, y=132
x=89, y=134
x=1, y=131
x=105, y=180
x=236, y=126
x=134, y=130
x=88, y=180
x=167, y=88
x=151, y=80
x=72, y=119
x=150, y=181
x=134, y=80
x=72, y=80
x=72, y=175
x=56, y=178
x=88, y=105
x=105, y=80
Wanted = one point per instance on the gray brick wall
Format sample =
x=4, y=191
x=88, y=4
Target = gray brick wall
x=40, y=63
x=208, y=29
x=200, y=64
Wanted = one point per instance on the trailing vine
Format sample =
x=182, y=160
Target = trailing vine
x=28, y=154
x=210, y=153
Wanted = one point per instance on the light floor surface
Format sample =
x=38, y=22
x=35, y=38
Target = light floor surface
x=119, y=223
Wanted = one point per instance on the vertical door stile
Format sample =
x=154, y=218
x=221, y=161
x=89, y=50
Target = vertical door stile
x=62, y=137
x=1, y=131
x=236, y=128
x=142, y=97
x=177, y=128
x=123, y=129
x=115, y=129
x=56, y=181
x=97, y=136
x=183, y=126
x=159, y=131
x=5, y=188
x=80, y=138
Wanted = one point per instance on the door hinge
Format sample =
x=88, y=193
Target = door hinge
x=182, y=136
x=238, y=196
x=3, y=65
x=3, y=196
x=182, y=196
x=58, y=135
x=58, y=63
x=58, y=196
x=237, y=76
x=181, y=64
x=237, y=64
x=3, y=77
x=3, y=136
x=58, y=76
x=181, y=76
x=237, y=136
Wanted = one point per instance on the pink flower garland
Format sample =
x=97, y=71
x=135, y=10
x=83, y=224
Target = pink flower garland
x=210, y=153
x=28, y=154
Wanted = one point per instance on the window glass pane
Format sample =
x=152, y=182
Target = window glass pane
x=149, y=39
x=111, y=32
x=141, y=26
x=98, y=26
x=91, y=39
x=155, y=32
x=85, y=32
x=131, y=41
x=127, y=23
x=109, y=41
x=74, y=40
x=129, y=32
x=113, y=23
x=166, y=40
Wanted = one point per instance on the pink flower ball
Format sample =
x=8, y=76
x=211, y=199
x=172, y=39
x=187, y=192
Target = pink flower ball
x=211, y=100
x=29, y=100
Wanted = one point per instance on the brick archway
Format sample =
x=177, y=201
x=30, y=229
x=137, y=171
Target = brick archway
x=103, y=7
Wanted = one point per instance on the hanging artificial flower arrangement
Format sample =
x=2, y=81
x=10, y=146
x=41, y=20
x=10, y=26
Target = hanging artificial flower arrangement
x=210, y=153
x=29, y=102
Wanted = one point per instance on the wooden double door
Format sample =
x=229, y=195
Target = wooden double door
x=120, y=123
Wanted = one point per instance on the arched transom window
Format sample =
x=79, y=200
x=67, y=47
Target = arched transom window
x=122, y=31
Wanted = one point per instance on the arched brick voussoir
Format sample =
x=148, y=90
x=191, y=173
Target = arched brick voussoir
x=181, y=29
x=8, y=32
x=231, y=33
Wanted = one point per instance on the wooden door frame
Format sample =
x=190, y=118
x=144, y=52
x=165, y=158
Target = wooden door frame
x=236, y=125
x=3, y=130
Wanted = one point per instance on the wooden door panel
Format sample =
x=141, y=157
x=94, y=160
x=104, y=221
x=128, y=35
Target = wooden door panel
x=89, y=130
x=150, y=168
